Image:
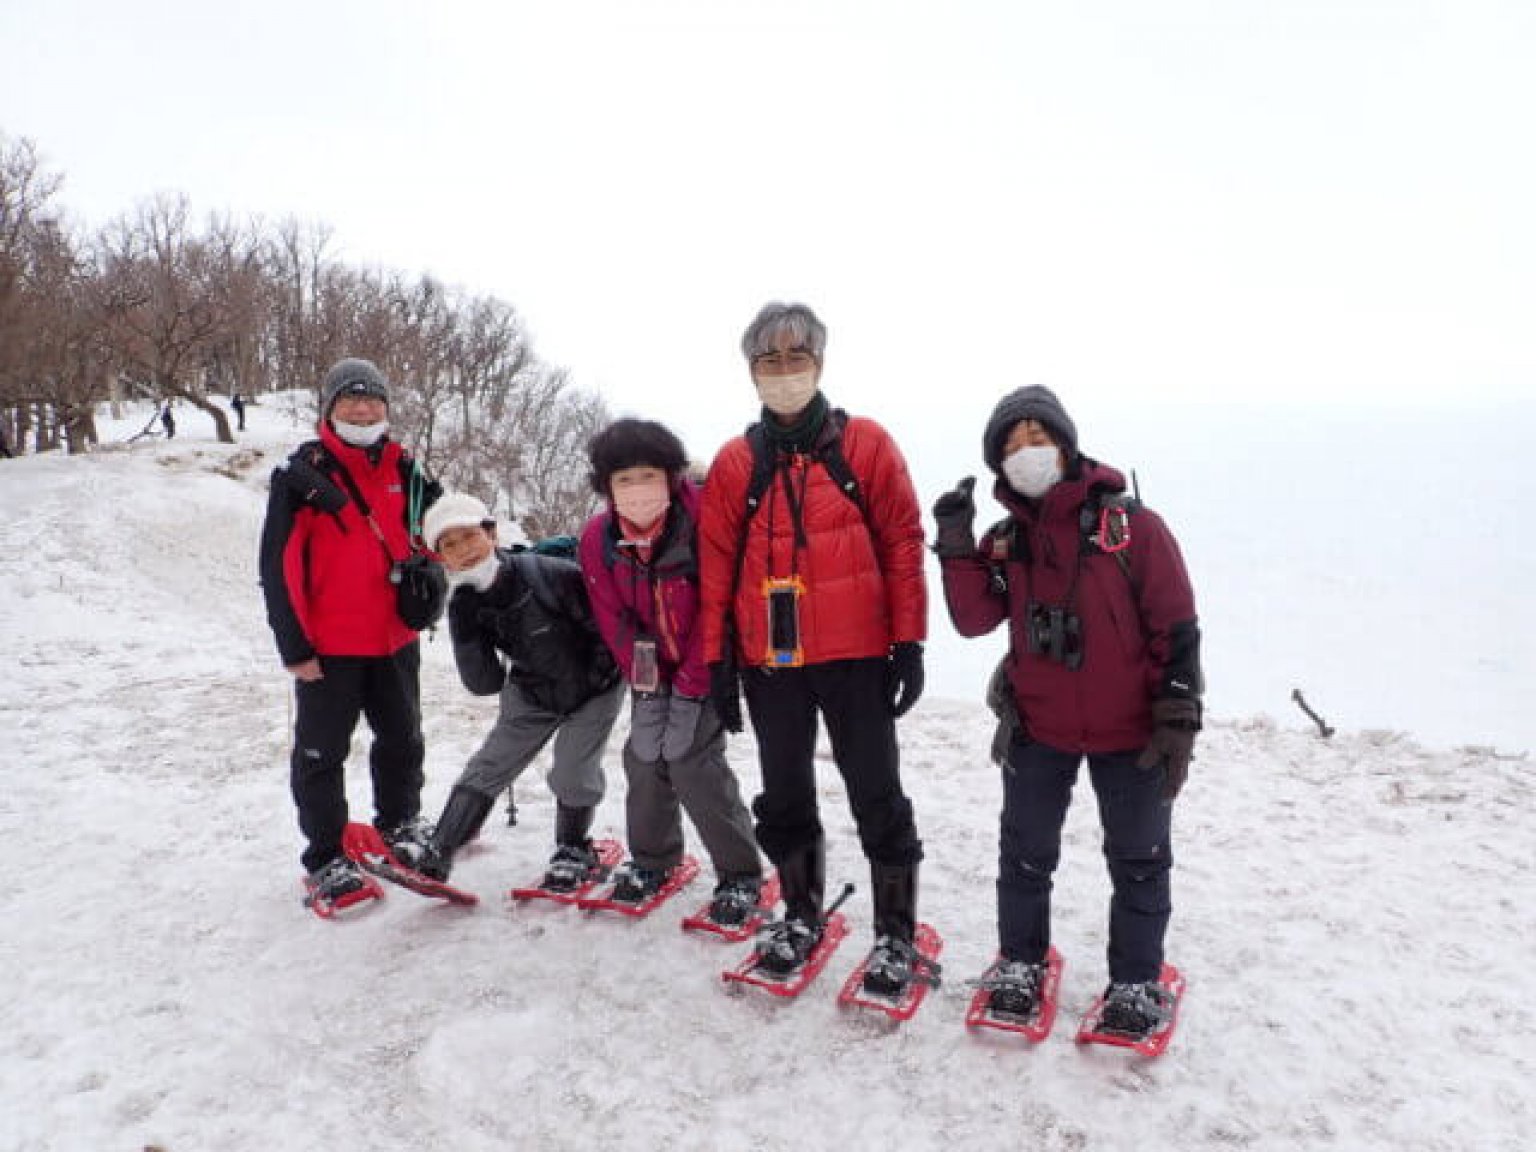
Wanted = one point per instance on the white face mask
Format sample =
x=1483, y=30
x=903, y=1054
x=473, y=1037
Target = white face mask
x=480, y=576
x=643, y=504
x=1032, y=471
x=786, y=395
x=361, y=435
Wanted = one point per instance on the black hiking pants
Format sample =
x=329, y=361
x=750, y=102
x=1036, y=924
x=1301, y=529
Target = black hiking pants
x=850, y=695
x=387, y=691
x=1037, y=789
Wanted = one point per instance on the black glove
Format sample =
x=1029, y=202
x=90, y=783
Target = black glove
x=464, y=613
x=725, y=693
x=1176, y=719
x=312, y=486
x=955, y=514
x=904, y=676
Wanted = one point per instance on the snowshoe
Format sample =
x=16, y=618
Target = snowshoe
x=410, y=841
x=587, y=872
x=772, y=963
x=570, y=866
x=366, y=846
x=639, y=891
x=1017, y=996
x=736, y=908
x=896, y=975
x=1137, y=1016
x=338, y=885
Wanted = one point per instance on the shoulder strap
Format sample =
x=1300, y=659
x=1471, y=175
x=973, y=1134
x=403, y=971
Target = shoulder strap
x=362, y=506
x=830, y=453
x=533, y=574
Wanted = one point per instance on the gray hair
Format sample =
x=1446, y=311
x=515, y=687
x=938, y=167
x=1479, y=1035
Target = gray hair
x=803, y=326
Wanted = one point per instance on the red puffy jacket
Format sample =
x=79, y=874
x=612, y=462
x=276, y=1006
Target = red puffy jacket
x=864, y=584
x=325, y=578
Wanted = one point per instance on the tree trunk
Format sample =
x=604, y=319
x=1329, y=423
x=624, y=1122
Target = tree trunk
x=220, y=417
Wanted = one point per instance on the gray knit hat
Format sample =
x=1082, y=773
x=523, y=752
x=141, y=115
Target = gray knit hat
x=1035, y=402
x=352, y=377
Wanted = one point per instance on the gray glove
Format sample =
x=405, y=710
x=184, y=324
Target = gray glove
x=1172, y=746
x=647, y=725
x=682, y=724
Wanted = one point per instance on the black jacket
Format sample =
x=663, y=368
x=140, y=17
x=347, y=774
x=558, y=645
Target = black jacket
x=538, y=616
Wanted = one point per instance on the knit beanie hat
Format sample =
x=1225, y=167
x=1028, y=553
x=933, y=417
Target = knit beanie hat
x=1034, y=402
x=454, y=510
x=352, y=377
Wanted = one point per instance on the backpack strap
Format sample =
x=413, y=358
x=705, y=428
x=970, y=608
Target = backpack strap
x=532, y=571
x=828, y=452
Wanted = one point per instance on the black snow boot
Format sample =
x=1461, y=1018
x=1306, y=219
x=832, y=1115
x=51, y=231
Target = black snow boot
x=784, y=946
x=572, y=825
x=803, y=882
x=894, y=962
x=461, y=819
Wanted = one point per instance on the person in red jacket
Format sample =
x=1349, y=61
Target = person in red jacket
x=1104, y=663
x=813, y=602
x=326, y=575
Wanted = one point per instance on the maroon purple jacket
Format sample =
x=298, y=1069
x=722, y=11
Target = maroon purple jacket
x=1140, y=638
x=659, y=599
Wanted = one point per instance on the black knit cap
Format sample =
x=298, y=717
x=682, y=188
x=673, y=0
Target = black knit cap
x=630, y=443
x=1034, y=402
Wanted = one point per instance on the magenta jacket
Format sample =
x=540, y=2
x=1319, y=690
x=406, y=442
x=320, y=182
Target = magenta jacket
x=659, y=599
x=1140, y=639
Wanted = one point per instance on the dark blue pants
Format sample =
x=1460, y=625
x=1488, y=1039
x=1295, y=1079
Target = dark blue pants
x=386, y=690
x=1037, y=789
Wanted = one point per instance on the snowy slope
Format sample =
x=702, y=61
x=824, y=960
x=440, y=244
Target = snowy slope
x=1354, y=917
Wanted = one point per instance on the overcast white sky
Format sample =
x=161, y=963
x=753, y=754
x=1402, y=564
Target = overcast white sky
x=1322, y=201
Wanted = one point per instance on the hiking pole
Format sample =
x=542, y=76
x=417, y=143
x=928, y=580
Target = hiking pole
x=838, y=903
x=1322, y=725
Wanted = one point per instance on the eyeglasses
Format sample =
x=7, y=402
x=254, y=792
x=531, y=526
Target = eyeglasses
x=794, y=360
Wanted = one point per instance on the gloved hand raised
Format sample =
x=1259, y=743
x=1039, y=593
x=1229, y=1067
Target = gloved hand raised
x=955, y=514
x=1176, y=720
x=725, y=693
x=904, y=676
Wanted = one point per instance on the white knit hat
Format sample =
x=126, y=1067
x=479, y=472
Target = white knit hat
x=454, y=510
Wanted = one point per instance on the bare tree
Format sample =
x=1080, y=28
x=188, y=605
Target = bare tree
x=151, y=306
x=552, y=483
x=33, y=251
x=157, y=302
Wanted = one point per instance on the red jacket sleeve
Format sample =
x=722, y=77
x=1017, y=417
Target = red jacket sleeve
x=896, y=521
x=720, y=522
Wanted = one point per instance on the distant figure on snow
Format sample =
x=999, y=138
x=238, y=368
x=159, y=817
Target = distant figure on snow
x=168, y=421
x=238, y=405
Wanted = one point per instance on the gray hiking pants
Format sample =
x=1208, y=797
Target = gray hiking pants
x=700, y=782
x=523, y=728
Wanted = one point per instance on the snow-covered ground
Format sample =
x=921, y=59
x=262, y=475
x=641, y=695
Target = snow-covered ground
x=1355, y=916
